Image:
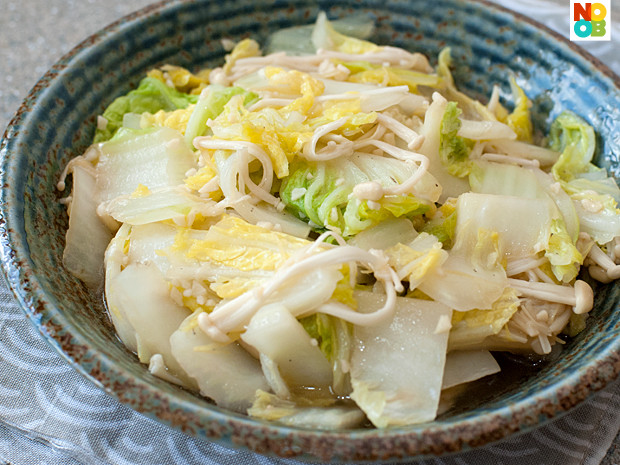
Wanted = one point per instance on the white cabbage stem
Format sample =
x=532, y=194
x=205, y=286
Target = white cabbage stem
x=485, y=130
x=232, y=316
x=580, y=297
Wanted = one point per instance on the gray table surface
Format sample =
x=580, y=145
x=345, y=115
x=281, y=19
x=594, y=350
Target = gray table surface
x=35, y=33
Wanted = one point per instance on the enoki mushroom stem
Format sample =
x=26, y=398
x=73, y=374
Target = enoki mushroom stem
x=236, y=313
x=580, y=297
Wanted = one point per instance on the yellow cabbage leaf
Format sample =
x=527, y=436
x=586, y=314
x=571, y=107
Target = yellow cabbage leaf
x=175, y=119
x=182, y=79
x=519, y=120
x=470, y=328
x=295, y=83
x=202, y=176
x=280, y=136
x=412, y=262
x=244, y=49
x=390, y=76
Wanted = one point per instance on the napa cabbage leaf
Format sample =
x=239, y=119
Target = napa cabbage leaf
x=151, y=96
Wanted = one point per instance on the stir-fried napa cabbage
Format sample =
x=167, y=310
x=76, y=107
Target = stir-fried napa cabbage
x=331, y=234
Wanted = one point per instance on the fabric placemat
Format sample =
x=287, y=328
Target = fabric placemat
x=52, y=415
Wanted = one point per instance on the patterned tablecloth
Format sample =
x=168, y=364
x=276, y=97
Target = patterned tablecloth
x=53, y=416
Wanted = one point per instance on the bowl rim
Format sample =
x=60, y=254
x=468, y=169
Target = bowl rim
x=237, y=430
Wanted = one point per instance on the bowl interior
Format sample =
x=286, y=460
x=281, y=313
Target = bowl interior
x=57, y=122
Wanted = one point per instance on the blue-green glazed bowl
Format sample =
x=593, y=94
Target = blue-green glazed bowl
x=57, y=121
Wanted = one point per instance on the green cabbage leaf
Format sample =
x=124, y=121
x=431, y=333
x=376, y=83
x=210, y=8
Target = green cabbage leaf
x=151, y=96
x=594, y=194
x=321, y=192
x=210, y=105
x=454, y=150
x=334, y=339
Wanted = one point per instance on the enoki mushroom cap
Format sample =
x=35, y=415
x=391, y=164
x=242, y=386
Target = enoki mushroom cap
x=614, y=272
x=584, y=297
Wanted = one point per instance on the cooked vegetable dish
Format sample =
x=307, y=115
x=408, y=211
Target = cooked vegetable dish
x=330, y=234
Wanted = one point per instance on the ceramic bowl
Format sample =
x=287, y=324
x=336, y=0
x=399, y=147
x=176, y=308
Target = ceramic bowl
x=57, y=120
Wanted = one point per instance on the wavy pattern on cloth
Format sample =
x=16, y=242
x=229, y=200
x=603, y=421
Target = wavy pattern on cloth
x=57, y=417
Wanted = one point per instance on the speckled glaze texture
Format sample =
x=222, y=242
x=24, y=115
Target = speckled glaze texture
x=56, y=122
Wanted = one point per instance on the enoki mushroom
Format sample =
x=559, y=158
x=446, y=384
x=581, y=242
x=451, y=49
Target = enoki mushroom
x=233, y=315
